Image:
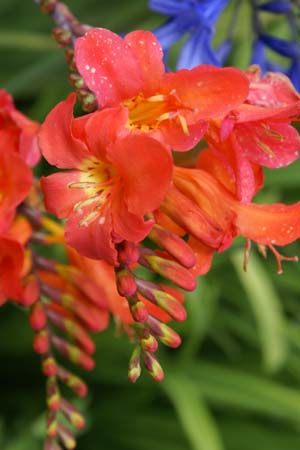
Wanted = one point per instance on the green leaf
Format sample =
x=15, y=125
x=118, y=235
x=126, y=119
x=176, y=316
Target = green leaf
x=201, y=306
x=193, y=413
x=26, y=41
x=266, y=307
x=235, y=388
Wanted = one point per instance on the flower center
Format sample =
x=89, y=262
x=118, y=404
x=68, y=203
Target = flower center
x=97, y=179
x=146, y=113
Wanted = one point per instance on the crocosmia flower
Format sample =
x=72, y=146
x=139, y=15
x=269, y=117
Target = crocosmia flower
x=172, y=107
x=14, y=260
x=258, y=134
x=15, y=182
x=113, y=184
x=212, y=216
x=17, y=132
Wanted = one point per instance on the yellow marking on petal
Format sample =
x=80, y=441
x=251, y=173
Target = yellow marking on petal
x=88, y=218
x=82, y=185
x=86, y=202
x=156, y=98
x=164, y=116
x=273, y=133
x=183, y=125
x=265, y=148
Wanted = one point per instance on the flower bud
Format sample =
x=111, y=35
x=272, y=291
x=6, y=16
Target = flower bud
x=53, y=396
x=125, y=283
x=72, y=414
x=172, y=271
x=165, y=334
x=128, y=252
x=41, y=342
x=153, y=366
x=72, y=381
x=37, y=316
x=134, y=370
x=174, y=245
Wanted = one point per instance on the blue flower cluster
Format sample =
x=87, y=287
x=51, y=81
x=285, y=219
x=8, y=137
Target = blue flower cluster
x=290, y=49
x=194, y=22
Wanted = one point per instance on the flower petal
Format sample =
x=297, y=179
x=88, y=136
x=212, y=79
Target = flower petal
x=148, y=53
x=59, y=199
x=126, y=225
x=177, y=139
x=277, y=224
x=104, y=127
x=209, y=91
x=108, y=65
x=57, y=141
x=146, y=167
x=11, y=257
x=93, y=241
x=271, y=144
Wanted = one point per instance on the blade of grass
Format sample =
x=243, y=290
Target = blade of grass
x=235, y=388
x=193, y=413
x=266, y=308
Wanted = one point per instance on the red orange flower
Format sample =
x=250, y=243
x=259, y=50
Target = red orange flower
x=113, y=184
x=213, y=216
x=258, y=133
x=14, y=261
x=15, y=182
x=17, y=132
x=172, y=107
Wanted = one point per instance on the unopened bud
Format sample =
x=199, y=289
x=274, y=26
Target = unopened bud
x=174, y=245
x=139, y=311
x=73, y=353
x=165, y=334
x=49, y=366
x=66, y=437
x=31, y=292
x=158, y=296
x=41, y=342
x=53, y=396
x=37, y=316
x=134, y=370
x=72, y=414
x=69, y=55
x=153, y=366
x=76, y=81
x=51, y=445
x=47, y=6
x=172, y=271
x=51, y=424
x=149, y=343
x=72, y=381
x=87, y=99
x=128, y=252
x=125, y=283
x=62, y=36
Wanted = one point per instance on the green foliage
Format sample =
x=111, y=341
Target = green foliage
x=235, y=382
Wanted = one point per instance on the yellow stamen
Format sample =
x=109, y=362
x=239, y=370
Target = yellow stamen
x=88, y=201
x=265, y=148
x=156, y=98
x=273, y=133
x=89, y=218
x=183, y=125
x=82, y=185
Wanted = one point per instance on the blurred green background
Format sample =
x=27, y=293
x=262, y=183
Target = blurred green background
x=235, y=382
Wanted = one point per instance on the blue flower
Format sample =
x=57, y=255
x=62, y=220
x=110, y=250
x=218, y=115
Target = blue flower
x=290, y=49
x=195, y=20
